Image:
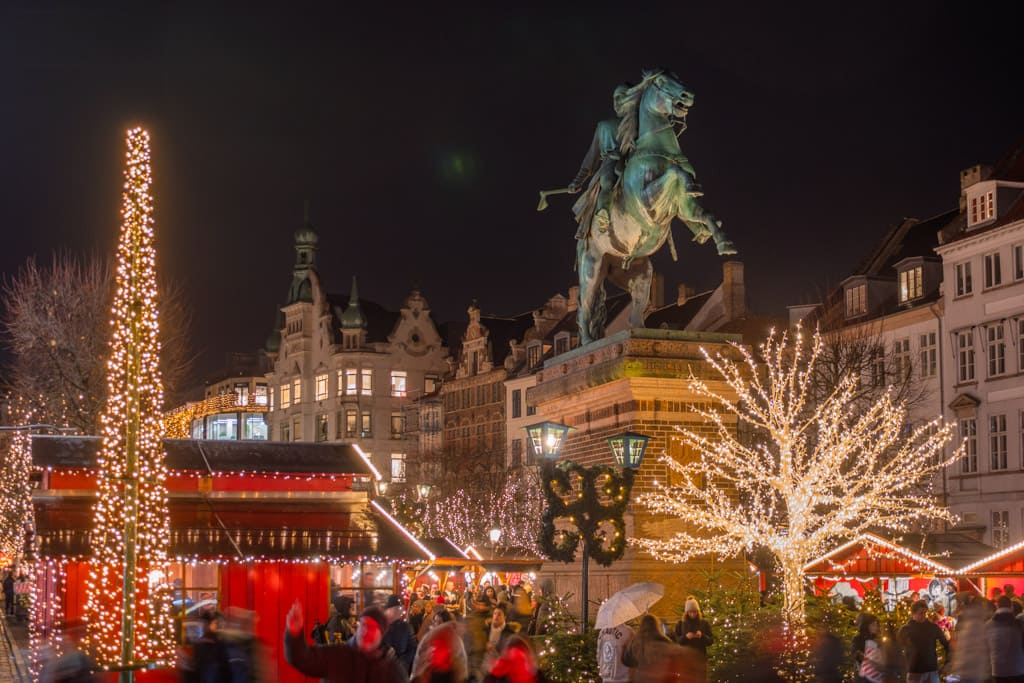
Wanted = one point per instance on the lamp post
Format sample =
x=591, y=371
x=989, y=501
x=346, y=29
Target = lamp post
x=588, y=503
x=423, y=491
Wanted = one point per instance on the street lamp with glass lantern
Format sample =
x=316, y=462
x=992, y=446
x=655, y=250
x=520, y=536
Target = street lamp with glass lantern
x=594, y=509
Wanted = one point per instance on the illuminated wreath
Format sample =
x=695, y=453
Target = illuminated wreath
x=575, y=499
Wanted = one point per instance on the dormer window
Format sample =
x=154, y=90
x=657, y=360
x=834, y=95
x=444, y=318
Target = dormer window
x=533, y=353
x=982, y=207
x=856, y=300
x=910, y=284
x=561, y=343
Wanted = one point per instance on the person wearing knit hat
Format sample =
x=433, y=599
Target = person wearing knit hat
x=693, y=630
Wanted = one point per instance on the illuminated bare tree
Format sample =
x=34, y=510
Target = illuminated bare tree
x=817, y=472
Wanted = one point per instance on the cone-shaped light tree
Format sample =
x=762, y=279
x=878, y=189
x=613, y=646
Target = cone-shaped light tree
x=128, y=617
x=805, y=474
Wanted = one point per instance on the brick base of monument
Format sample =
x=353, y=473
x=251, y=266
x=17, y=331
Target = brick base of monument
x=637, y=380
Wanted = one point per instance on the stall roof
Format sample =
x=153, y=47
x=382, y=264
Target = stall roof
x=220, y=456
x=870, y=554
x=1009, y=560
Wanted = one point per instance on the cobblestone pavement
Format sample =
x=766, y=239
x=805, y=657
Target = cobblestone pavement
x=13, y=643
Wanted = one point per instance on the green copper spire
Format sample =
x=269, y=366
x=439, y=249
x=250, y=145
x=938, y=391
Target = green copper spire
x=305, y=260
x=352, y=318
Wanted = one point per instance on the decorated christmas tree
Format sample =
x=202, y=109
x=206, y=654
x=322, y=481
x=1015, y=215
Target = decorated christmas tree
x=128, y=619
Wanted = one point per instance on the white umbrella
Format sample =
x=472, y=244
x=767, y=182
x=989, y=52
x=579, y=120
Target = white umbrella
x=628, y=603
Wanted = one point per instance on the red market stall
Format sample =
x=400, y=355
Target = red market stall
x=998, y=570
x=255, y=526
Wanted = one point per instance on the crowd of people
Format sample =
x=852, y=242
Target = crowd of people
x=983, y=640
x=432, y=637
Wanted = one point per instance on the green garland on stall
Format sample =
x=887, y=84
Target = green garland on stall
x=574, y=498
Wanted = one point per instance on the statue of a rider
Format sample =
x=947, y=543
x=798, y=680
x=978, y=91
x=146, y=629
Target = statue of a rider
x=607, y=156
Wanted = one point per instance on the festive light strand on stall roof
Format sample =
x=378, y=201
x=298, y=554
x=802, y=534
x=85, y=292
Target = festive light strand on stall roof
x=131, y=423
x=823, y=470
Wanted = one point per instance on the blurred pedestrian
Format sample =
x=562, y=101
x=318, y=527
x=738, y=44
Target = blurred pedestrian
x=72, y=665
x=920, y=638
x=1005, y=644
x=498, y=632
x=367, y=660
x=9, y=593
x=211, y=653
x=970, y=659
x=827, y=657
x=516, y=664
x=441, y=655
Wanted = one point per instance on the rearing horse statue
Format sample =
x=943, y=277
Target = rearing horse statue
x=641, y=181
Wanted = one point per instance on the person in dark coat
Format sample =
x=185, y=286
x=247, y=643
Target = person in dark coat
x=9, y=593
x=342, y=624
x=919, y=638
x=645, y=643
x=399, y=636
x=212, y=664
x=1005, y=638
x=368, y=660
x=693, y=630
x=497, y=633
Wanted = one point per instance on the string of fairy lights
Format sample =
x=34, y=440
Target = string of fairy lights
x=130, y=519
x=817, y=473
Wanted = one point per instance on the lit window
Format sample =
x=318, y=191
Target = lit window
x=366, y=374
x=242, y=394
x=321, y=427
x=965, y=356
x=910, y=284
x=297, y=391
x=321, y=387
x=993, y=270
x=297, y=429
x=350, y=423
x=429, y=384
x=997, y=441
x=398, y=383
x=286, y=395
x=969, y=434
x=255, y=428
x=982, y=207
x=1000, y=528
x=856, y=300
x=901, y=359
x=397, y=425
x=996, y=350
x=928, y=355
x=365, y=426
x=351, y=381
x=260, y=395
x=398, y=468
x=964, y=286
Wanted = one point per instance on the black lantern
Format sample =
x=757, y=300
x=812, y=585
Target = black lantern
x=629, y=448
x=546, y=439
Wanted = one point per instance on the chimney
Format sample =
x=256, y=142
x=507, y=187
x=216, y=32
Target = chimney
x=685, y=292
x=657, y=291
x=734, y=290
x=574, y=298
x=974, y=174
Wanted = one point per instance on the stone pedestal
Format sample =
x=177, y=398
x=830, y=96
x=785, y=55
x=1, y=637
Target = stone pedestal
x=636, y=380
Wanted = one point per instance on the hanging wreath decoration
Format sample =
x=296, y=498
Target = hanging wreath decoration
x=584, y=504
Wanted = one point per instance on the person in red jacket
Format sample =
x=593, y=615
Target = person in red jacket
x=368, y=661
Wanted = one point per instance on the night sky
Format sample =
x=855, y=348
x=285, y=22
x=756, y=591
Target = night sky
x=421, y=138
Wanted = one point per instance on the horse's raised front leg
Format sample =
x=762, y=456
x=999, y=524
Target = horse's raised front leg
x=590, y=316
x=637, y=281
x=703, y=224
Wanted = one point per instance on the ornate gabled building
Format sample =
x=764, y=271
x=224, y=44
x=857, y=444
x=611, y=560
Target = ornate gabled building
x=345, y=368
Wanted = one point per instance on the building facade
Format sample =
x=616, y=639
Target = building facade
x=982, y=254
x=345, y=368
